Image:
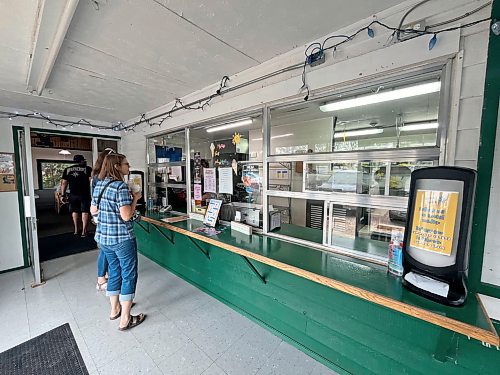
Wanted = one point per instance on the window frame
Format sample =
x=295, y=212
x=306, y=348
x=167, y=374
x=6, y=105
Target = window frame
x=435, y=153
x=39, y=163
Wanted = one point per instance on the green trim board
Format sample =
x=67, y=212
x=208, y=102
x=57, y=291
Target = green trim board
x=486, y=154
x=489, y=290
x=20, y=194
x=354, y=277
x=338, y=329
x=14, y=269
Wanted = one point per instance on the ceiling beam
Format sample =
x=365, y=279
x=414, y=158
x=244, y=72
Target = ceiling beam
x=54, y=24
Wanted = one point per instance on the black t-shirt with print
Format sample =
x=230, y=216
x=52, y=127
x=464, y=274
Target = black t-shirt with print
x=78, y=179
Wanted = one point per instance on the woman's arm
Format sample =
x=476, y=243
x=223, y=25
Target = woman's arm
x=127, y=211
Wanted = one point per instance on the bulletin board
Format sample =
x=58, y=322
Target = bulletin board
x=7, y=172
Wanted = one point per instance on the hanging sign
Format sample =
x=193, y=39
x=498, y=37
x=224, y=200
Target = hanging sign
x=209, y=180
x=7, y=172
x=226, y=180
x=434, y=220
x=197, y=192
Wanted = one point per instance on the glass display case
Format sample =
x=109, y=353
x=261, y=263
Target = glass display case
x=224, y=165
x=166, y=174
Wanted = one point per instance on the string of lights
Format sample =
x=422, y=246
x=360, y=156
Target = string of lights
x=313, y=48
x=57, y=122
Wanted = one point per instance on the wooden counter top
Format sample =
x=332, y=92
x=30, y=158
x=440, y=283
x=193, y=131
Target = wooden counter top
x=357, y=278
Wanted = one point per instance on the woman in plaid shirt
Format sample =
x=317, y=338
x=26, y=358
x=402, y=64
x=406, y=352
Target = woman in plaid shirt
x=116, y=237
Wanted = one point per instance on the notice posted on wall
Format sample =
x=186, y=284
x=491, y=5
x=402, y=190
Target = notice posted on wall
x=209, y=180
x=226, y=180
x=197, y=192
x=434, y=220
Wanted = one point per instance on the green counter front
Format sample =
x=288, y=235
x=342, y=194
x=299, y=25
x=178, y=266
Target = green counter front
x=348, y=314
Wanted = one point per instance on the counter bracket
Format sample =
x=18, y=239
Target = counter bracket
x=199, y=247
x=447, y=346
x=146, y=229
x=170, y=239
x=254, y=270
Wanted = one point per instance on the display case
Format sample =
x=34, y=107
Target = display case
x=223, y=167
x=166, y=173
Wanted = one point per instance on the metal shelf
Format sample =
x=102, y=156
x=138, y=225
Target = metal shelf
x=168, y=164
x=168, y=184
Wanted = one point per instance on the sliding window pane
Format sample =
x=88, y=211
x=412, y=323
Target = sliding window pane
x=395, y=115
x=362, y=229
x=297, y=218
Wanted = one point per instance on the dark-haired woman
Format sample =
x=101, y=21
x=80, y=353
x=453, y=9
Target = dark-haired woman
x=116, y=238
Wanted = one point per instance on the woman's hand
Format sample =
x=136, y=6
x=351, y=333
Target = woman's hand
x=136, y=196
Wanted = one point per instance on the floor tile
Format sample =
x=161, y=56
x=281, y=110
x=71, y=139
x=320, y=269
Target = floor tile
x=189, y=360
x=250, y=352
x=214, y=370
x=321, y=369
x=159, y=337
x=287, y=360
x=134, y=361
x=184, y=332
x=216, y=339
x=106, y=342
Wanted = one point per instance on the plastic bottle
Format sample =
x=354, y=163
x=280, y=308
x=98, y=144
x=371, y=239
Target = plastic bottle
x=395, y=265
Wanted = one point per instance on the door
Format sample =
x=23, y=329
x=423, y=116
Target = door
x=24, y=138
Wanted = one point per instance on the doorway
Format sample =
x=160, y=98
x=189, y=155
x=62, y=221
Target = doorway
x=51, y=154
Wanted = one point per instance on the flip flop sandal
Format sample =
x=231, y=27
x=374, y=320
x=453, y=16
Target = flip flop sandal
x=134, y=321
x=119, y=313
x=102, y=287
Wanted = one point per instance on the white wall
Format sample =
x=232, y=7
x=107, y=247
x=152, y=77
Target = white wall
x=53, y=154
x=11, y=251
x=356, y=62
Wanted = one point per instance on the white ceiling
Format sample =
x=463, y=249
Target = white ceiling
x=123, y=58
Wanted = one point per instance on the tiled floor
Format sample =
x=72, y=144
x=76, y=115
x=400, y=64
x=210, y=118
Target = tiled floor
x=186, y=331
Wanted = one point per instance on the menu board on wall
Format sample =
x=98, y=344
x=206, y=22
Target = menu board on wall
x=434, y=218
x=226, y=180
x=7, y=172
x=209, y=180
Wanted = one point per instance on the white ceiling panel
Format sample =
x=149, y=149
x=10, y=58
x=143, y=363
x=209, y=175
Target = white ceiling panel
x=17, y=30
x=123, y=58
x=263, y=29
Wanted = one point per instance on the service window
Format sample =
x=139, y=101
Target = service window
x=339, y=167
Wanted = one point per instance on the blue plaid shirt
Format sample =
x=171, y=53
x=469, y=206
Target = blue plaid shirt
x=111, y=228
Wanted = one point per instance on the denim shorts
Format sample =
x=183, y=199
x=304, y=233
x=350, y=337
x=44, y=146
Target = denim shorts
x=122, y=269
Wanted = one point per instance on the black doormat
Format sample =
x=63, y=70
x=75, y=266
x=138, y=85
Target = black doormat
x=61, y=245
x=54, y=352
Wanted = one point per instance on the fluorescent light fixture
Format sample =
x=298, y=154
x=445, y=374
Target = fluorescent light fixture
x=419, y=126
x=275, y=136
x=64, y=152
x=357, y=133
x=231, y=125
x=381, y=97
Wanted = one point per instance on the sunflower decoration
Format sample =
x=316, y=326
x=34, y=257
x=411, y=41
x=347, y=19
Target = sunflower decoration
x=236, y=138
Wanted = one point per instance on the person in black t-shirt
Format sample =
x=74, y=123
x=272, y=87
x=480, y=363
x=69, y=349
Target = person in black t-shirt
x=78, y=178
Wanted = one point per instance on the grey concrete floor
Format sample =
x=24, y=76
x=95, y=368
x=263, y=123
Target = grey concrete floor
x=186, y=330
